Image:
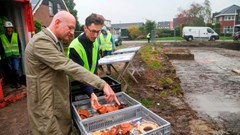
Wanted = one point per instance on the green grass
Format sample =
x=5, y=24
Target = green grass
x=179, y=38
x=169, y=38
x=225, y=38
x=147, y=54
x=147, y=102
x=165, y=38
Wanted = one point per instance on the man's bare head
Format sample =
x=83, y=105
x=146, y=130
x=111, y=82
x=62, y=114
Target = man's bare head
x=63, y=25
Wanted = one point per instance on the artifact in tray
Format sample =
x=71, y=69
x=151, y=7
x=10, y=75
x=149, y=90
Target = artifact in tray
x=101, y=109
x=136, y=127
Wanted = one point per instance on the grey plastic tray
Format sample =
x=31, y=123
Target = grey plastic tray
x=99, y=123
x=85, y=104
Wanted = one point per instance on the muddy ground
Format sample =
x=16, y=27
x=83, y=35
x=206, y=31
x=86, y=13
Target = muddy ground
x=156, y=90
x=167, y=103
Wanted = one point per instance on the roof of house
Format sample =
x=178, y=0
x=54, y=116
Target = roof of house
x=231, y=10
x=126, y=25
x=36, y=4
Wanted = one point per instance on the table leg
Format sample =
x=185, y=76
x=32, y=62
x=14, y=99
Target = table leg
x=132, y=73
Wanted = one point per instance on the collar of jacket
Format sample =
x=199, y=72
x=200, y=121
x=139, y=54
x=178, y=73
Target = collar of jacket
x=44, y=29
x=84, y=38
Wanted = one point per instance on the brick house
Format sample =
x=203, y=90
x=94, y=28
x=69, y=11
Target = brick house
x=227, y=18
x=44, y=10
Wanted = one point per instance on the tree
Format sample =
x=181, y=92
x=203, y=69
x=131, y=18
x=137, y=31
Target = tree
x=142, y=29
x=70, y=4
x=194, y=16
x=207, y=11
x=133, y=32
x=37, y=25
x=149, y=26
x=217, y=27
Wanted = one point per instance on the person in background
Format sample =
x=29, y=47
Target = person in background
x=48, y=89
x=106, y=44
x=148, y=37
x=84, y=49
x=12, y=53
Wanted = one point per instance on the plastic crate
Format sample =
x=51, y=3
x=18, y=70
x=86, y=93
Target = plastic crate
x=85, y=104
x=77, y=94
x=109, y=120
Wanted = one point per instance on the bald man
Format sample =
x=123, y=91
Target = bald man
x=47, y=84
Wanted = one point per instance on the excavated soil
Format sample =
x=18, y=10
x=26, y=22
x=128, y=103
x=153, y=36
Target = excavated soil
x=171, y=107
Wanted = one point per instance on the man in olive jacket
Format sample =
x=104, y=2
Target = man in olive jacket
x=47, y=83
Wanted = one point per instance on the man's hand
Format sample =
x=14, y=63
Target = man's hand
x=94, y=101
x=109, y=94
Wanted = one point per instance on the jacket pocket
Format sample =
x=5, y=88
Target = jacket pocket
x=32, y=88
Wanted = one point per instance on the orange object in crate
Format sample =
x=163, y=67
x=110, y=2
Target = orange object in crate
x=83, y=113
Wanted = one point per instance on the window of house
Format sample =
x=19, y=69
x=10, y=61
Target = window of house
x=228, y=18
x=227, y=29
x=58, y=7
x=50, y=7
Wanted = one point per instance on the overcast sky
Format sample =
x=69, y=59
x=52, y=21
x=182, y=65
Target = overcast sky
x=130, y=11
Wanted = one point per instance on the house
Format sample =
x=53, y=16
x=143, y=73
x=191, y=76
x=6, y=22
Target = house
x=227, y=18
x=19, y=12
x=165, y=25
x=122, y=28
x=44, y=10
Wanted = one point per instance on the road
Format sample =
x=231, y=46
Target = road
x=145, y=41
x=211, y=87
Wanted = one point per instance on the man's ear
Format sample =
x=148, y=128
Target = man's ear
x=57, y=22
x=84, y=27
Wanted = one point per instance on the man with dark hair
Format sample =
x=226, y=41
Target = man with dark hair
x=84, y=49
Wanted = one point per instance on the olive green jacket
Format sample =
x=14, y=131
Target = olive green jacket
x=48, y=86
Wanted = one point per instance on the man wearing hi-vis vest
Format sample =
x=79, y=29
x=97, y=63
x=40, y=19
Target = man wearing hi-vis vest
x=84, y=49
x=106, y=44
x=12, y=52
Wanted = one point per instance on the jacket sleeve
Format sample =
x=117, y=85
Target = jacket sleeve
x=46, y=51
x=76, y=58
x=113, y=42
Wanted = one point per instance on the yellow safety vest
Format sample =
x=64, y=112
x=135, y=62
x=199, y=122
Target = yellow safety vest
x=82, y=53
x=106, y=44
x=10, y=49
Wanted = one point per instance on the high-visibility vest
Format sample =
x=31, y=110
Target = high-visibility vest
x=148, y=35
x=106, y=44
x=10, y=49
x=78, y=47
